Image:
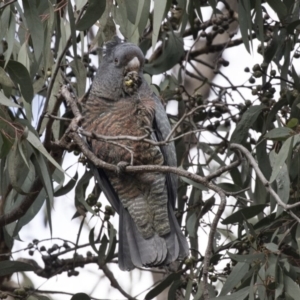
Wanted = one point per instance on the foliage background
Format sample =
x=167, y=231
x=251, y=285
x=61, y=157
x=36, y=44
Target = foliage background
x=252, y=250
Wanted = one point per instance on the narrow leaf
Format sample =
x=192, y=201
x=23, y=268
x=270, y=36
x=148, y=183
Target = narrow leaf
x=158, y=14
x=19, y=74
x=281, y=158
x=236, y=275
x=68, y=187
x=162, y=286
x=241, y=131
x=5, y=101
x=279, y=134
x=35, y=27
x=9, y=267
x=36, y=143
x=93, y=13
x=247, y=212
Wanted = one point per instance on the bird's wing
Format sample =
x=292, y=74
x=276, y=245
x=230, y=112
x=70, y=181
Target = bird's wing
x=162, y=128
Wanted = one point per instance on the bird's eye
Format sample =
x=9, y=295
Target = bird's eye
x=116, y=60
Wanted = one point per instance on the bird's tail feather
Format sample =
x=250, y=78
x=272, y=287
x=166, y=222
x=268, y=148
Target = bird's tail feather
x=135, y=251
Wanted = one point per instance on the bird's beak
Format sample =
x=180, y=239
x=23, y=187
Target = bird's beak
x=133, y=65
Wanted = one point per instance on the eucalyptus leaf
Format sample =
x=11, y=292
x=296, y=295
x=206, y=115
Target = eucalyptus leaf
x=35, y=27
x=247, y=212
x=162, y=285
x=20, y=76
x=236, y=275
x=171, y=54
x=5, y=101
x=279, y=134
x=93, y=13
x=8, y=267
x=241, y=131
x=158, y=14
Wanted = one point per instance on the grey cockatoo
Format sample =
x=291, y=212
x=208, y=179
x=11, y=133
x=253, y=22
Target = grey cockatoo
x=121, y=103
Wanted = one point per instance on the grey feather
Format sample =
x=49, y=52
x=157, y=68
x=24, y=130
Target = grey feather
x=134, y=249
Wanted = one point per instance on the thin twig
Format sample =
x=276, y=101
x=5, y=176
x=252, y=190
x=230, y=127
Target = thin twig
x=208, y=251
x=264, y=181
x=8, y=3
x=114, y=283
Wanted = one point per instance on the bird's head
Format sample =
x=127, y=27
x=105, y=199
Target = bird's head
x=121, y=70
x=125, y=56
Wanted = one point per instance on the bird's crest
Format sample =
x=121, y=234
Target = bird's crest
x=109, y=46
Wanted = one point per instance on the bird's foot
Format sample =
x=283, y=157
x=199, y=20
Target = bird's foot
x=121, y=166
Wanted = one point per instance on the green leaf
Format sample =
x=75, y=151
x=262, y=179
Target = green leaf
x=171, y=53
x=8, y=267
x=249, y=258
x=241, y=131
x=81, y=296
x=73, y=31
x=5, y=80
x=80, y=191
x=158, y=14
x=52, y=101
x=16, y=168
x=293, y=122
x=80, y=73
x=292, y=26
x=7, y=102
x=281, y=157
x=279, y=283
x=247, y=212
x=279, y=134
x=23, y=57
x=162, y=286
x=4, y=21
x=32, y=211
x=212, y=153
x=240, y=295
x=279, y=7
x=68, y=187
x=194, y=183
x=93, y=13
x=259, y=22
x=6, y=145
x=235, y=277
x=132, y=8
x=91, y=240
x=36, y=143
x=283, y=187
x=207, y=206
x=291, y=287
x=273, y=47
x=47, y=55
x=43, y=171
x=35, y=27
x=191, y=224
x=144, y=16
x=21, y=77
x=272, y=114
x=112, y=234
x=272, y=247
x=172, y=294
x=188, y=290
x=102, y=249
x=244, y=12
x=10, y=38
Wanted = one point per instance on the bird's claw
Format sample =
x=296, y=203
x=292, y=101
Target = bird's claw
x=121, y=166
